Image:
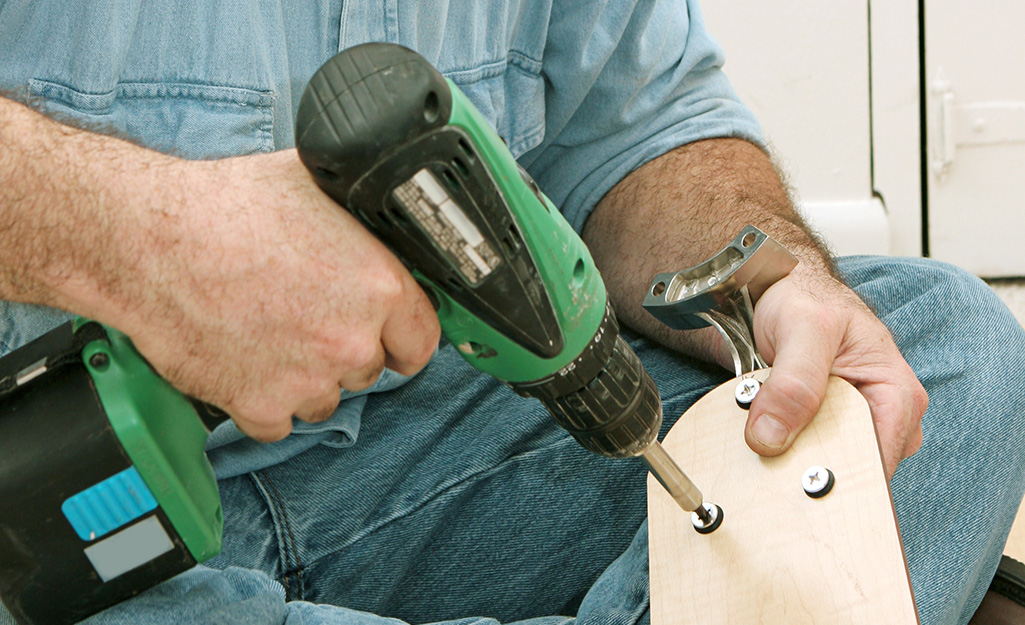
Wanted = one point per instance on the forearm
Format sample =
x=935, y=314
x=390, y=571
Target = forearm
x=238, y=279
x=678, y=210
x=72, y=214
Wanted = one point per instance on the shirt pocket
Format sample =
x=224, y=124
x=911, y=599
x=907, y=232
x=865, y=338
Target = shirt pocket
x=492, y=52
x=510, y=94
x=185, y=119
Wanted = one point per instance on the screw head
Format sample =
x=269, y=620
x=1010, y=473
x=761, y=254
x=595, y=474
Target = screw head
x=715, y=513
x=817, y=481
x=746, y=391
x=99, y=360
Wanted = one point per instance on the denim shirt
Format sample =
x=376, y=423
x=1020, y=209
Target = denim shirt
x=582, y=92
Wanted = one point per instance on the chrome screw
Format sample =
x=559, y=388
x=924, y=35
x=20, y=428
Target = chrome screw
x=746, y=391
x=715, y=516
x=817, y=481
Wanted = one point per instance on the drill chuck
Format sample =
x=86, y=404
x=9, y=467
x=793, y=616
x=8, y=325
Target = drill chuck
x=604, y=397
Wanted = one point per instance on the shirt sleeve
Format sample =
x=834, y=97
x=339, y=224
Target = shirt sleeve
x=625, y=82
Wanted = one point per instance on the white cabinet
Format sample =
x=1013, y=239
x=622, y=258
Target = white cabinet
x=837, y=86
x=975, y=108
x=803, y=67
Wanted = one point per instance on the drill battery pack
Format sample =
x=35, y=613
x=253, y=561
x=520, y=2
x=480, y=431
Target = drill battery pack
x=104, y=487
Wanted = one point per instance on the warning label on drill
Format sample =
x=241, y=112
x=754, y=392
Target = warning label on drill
x=438, y=215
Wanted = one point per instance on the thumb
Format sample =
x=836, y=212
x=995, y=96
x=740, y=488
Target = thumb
x=792, y=394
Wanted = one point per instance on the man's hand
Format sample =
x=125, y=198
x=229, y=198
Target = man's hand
x=681, y=208
x=808, y=327
x=239, y=281
x=267, y=298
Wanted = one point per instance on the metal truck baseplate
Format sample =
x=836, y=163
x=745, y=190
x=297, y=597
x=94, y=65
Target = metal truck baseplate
x=721, y=291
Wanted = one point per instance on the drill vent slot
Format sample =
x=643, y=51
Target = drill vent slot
x=397, y=212
x=460, y=167
x=467, y=150
x=450, y=179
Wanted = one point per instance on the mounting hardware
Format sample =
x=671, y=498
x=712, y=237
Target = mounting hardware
x=99, y=360
x=715, y=515
x=746, y=390
x=721, y=292
x=817, y=481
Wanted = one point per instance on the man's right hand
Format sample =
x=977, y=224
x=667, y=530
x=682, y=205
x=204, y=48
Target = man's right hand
x=260, y=295
x=239, y=280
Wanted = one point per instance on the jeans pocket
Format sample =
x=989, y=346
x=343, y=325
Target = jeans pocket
x=185, y=119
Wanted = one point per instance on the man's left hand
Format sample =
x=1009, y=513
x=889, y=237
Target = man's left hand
x=809, y=327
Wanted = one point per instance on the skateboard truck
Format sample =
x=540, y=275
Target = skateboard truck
x=721, y=291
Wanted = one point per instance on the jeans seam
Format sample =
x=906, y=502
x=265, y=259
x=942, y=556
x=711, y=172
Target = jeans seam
x=267, y=130
x=297, y=569
x=524, y=62
x=292, y=565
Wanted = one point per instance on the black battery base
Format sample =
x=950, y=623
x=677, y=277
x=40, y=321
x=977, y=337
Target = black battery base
x=56, y=442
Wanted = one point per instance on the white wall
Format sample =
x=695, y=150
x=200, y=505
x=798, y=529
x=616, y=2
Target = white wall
x=803, y=67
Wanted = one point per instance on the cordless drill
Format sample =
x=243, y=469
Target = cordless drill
x=106, y=488
x=516, y=291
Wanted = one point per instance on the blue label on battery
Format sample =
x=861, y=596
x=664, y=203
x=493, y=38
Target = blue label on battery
x=108, y=505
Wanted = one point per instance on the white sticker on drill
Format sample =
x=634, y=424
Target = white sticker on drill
x=462, y=223
x=447, y=224
x=477, y=260
x=129, y=548
x=455, y=215
x=430, y=186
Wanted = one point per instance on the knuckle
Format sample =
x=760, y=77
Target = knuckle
x=422, y=355
x=389, y=286
x=322, y=409
x=796, y=399
x=361, y=380
x=273, y=434
x=267, y=428
x=920, y=400
x=327, y=400
x=265, y=424
x=363, y=377
x=362, y=352
x=370, y=374
x=323, y=413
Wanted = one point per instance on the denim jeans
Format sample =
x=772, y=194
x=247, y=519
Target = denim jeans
x=461, y=501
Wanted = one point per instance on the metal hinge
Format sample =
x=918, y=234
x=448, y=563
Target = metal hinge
x=944, y=149
x=972, y=123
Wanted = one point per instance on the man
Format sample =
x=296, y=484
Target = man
x=445, y=496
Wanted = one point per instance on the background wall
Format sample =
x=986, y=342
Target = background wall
x=803, y=67
x=847, y=89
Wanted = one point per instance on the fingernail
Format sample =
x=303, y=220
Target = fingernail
x=769, y=431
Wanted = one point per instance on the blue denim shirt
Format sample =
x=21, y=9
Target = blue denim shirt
x=583, y=93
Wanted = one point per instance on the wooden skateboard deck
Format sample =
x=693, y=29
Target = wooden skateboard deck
x=780, y=556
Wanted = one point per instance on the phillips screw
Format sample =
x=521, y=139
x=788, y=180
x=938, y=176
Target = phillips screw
x=746, y=391
x=818, y=481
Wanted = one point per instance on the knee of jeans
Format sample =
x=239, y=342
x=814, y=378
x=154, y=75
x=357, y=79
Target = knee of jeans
x=938, y=305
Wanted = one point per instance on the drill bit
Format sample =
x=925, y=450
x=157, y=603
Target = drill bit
x=675, y=481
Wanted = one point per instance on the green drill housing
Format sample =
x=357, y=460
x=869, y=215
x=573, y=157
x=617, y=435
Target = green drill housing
x=107, y=487
x=516, y=290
